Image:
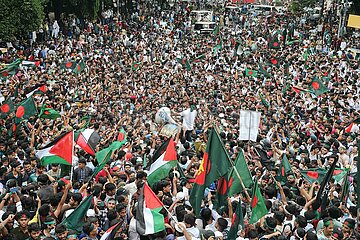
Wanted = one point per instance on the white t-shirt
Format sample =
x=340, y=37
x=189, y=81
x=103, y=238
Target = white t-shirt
x=188, y=119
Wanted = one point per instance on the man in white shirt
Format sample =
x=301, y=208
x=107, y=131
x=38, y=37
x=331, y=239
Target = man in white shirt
x=188, y=117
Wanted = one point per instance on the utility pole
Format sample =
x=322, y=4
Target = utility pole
x=344, y=7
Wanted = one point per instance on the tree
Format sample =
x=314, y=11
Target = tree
x=297, y=6
x=21, y=18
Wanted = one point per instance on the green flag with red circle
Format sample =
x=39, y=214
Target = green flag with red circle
x=68, y=65
x=274, y=44
x=317, y=87
x=284, y=170
x=79, y=67
x=258, y=207
x=250, y=72
x=26, y=109
x=273, y=61
x=6, y=108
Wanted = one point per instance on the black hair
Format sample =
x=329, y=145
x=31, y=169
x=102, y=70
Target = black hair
x=34, y=227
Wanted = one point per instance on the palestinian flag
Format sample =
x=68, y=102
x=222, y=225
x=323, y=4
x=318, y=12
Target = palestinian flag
x=30, y=64
x=263, y=70
x=274, y=44
x=135, y=66
x=184, y=63
x=273, y=61
x=87, y=140
x=69, y=65
x=48, y=113
x=250, y=73
x=314, y=174
x=26, y=109
x=215, y=163
x=284, y=170
x=120, y=140
x=37, y=89
x=241, y=170
x=58, y=151
x=237, y=222
x=6, y=108
x=76, y=219
x=162, y=165
x=149, y=220
x=298, y=90
x=353, y=127
x=317, y=87
x=258, y=207
x=79, y=67
x=111, y=232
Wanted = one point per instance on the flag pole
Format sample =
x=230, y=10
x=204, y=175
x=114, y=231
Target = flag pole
x=232, y=164
x=72, y=156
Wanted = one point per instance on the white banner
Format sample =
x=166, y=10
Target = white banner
x=249, y=125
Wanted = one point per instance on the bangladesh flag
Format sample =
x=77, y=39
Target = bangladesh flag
x=69, y=65
x=258, y=207
x=184, y=63
x=339, y=174
x=6, y=108
x=48, y=113
x=149, y=220
x=243, y=172
x=314, y=174
x=162, y=165
x=237, y=222
x=219, y=45
x=317, y=87
x=135, y=66
x=10, y=69
x=284, y=170
x=87, y=140
x=263, y=70
x=58, y=151
x=215, y=163
x=26, y=109
x=79, y=67
x=250, y=73
x=102, y=157
x=120, y=140
x=37, y=89
x=76, y=219
x=216, y=31
x=273, y=61
x=274, y=44
x=198, y=59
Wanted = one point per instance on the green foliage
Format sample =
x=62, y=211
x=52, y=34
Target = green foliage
x=83, y=8
x=21, y=18
x=297, y=6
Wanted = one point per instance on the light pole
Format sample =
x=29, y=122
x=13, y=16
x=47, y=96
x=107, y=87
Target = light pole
x=344, y=7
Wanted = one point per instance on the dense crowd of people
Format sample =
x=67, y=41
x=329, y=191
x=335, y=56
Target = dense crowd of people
x=131, y=72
